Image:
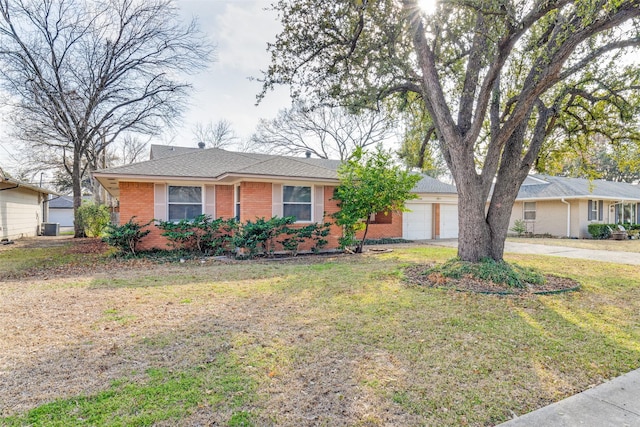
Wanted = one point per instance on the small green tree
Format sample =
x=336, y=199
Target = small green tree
x=519, y=227
x=94, y=218
x=369, y=184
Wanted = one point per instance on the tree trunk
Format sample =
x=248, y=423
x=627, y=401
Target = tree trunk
x=360, y=245
x=78, y=229
x=474, y=234
x=483, y=229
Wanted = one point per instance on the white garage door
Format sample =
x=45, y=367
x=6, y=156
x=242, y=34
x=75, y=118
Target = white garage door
x=64, y=217
x=448, y=221
x=416, y=225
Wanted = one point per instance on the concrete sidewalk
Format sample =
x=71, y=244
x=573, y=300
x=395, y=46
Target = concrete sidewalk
x=614, y=403
x=630, y=258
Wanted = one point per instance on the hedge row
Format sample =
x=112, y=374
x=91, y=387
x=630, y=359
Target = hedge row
x=210, y=236
x=603, y=231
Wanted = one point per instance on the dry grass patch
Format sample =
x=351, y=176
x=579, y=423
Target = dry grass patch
x=602, y=245
x=331, y=341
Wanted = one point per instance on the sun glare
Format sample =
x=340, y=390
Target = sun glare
x=428, y=6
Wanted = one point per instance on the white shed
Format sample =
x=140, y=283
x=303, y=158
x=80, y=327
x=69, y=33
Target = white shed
x=22, y=209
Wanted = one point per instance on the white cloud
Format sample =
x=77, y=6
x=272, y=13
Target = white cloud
x=242, y=32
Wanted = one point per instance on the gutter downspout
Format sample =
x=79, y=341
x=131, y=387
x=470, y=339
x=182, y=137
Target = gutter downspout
x=568, y=216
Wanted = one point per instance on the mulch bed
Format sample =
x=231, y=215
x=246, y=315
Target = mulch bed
x=415, y=274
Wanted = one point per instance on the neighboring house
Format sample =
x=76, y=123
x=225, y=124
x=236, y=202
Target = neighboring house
x=61, y=211
x=565, y=207
x=23, y=208
x=247, y=186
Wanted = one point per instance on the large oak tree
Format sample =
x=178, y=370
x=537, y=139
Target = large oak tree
x=496, y=78
x=81, y=73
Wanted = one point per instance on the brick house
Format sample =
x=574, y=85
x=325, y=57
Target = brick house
x=180, y=182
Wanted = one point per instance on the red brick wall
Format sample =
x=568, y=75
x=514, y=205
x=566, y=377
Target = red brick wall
x=255, y=201
x=136, y=199
x=392, y=230
x=331, y=207
x=224, y=201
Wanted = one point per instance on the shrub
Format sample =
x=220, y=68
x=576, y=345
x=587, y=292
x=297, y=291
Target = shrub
x=94, y=218
x=179, y=234
x=600, y=231
x=260, y=233
x=296, y=236
x=202, y=234
x=127, y=236
x=519, y=227
x=221, y=238
x=491, y=270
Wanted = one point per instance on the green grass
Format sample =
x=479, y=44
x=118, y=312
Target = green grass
x=502, y=272
x=16, y=261
x=19, y=259
x=265, y=343
x=162, y=396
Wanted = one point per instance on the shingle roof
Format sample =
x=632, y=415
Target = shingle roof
x=62, y=202
x=432, y=185
x=214, y=162
x=556, y=187
x=159, y=151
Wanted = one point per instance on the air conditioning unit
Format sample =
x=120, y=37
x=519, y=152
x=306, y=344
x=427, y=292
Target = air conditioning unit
x=50, y=229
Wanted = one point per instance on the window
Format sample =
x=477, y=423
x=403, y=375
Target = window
x=529, y=211
x=296, y=201
x=626, y=213
x=184, y=202
x=381, y=218
x=237, y=203
x=595, y=208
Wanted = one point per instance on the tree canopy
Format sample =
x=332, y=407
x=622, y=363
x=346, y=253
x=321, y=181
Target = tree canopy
x=498, y=80
x=81, y=73
x=326, y=132
x=370, y=185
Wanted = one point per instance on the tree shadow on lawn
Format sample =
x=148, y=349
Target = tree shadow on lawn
x=328, y=343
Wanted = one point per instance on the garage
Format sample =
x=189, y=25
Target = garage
x=419, y=224
x=448, y=221
x=416, y=225
x=434, y=212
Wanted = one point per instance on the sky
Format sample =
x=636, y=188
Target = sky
x=240, y=30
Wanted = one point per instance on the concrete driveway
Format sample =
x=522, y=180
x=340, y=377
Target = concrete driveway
x=560, y=251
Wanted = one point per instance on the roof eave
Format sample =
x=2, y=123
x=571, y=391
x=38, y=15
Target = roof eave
x=37, y=189
x=581, y=197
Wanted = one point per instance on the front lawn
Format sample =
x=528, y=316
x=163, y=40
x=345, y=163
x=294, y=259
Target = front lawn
x=314, y=341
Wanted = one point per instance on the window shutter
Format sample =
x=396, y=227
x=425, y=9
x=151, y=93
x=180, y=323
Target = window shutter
x=637, y=213
x=590, y=210
x=318, y=208
x=210, y=200
x=276, y=200
x=160, y=202
x=617, y=217
x=600, y=211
